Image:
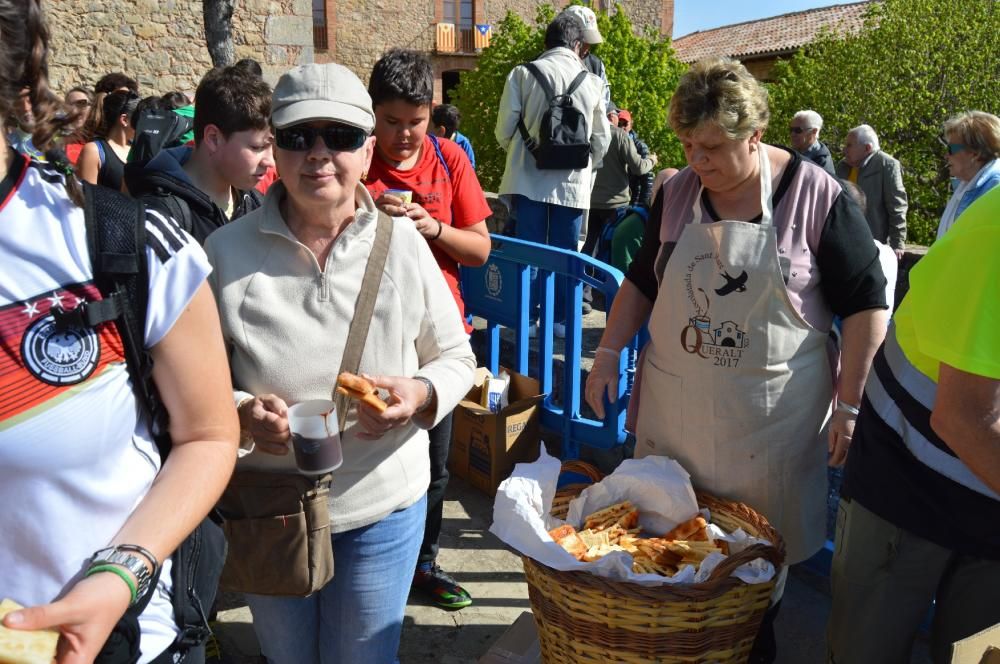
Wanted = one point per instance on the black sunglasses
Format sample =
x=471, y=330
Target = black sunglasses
x=339, y=138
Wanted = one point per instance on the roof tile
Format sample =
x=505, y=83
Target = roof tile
x=777, y=34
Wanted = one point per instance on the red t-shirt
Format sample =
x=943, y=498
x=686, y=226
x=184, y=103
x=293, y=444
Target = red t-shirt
x=270, y=177
x=456, y=201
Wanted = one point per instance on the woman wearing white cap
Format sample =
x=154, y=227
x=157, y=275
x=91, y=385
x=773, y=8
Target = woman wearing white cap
x=287, y=277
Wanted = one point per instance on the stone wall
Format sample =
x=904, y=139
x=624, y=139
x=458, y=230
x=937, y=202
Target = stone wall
x=161, y=43
x=359, y=31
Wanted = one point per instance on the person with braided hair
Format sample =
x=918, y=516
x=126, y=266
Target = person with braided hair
x=93, y=515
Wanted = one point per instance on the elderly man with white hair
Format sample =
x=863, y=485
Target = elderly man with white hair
x=804, y=132
x=880, y=177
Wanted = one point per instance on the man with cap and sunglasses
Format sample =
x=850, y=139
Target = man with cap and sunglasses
x=591, y=36
x=287, y=278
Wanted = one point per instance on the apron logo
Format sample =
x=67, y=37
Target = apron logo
x=724, y=342
x=733, y=284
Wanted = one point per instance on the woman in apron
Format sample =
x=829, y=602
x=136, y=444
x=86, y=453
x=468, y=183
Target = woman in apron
x=755, y=253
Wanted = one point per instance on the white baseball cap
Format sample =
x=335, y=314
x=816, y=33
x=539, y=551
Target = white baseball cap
x=321, y=92
x=586, y=16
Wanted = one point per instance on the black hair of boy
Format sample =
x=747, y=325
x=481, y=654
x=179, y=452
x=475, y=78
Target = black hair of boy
x=402, y=74
x=232, y=100
x=174, y=100
x=564, y=30
x=447, y=116
x=250, y=66
x=115, y=81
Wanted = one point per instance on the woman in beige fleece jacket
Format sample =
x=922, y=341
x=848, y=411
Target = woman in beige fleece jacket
x=287, y=277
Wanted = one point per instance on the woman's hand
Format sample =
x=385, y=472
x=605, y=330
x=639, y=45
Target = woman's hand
x=84, y=617
x=839, y=439
x=266, y=418
x=603, y=378
x=405, y=396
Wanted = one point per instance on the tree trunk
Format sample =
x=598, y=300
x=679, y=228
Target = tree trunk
x=218, y=15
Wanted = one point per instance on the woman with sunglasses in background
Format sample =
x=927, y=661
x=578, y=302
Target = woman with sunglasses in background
x=972, y=139
x=287, y=277
x=79, y=100
x=102, y=160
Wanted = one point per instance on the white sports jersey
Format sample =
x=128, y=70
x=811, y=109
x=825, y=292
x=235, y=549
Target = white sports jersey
x=75, y=458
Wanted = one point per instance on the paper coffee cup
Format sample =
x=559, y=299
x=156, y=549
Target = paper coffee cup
x=404, y=194
x=315, y=436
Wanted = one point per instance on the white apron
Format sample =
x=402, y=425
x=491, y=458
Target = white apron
x=736, y=385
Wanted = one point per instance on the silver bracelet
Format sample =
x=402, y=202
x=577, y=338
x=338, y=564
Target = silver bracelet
x=430, y=394
x=124, y=555
x=848, y=408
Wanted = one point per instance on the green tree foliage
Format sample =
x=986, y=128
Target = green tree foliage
x=642, y=71
x=914, y=64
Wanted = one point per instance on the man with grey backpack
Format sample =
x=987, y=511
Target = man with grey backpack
x=553, y=128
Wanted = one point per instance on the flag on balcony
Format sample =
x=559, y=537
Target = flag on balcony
x=484, y=32
x=445, y=38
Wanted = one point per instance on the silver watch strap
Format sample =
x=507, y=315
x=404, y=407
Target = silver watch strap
x=129, y=561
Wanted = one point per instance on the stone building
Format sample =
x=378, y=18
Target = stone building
x=161, y=43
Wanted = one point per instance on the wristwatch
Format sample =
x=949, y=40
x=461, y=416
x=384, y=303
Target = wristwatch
x=430, y=394
x=133, y=563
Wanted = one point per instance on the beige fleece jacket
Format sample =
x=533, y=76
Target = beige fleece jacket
x=285, y=321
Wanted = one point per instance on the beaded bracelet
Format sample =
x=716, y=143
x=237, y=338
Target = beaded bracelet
x=440, y=228
x=122, y=574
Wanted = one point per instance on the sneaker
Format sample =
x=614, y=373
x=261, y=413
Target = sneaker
x=559, y=330
x=441, y=587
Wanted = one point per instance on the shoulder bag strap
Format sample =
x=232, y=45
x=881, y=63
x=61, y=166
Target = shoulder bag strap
x=580, y=78
x=363, y=309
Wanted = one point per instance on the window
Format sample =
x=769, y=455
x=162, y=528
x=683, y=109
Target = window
x=458, y=12
x=319, y=24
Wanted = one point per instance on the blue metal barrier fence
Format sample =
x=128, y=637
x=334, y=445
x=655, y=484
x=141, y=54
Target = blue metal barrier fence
x=499, y=292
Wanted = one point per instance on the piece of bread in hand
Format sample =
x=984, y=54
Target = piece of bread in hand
x=22, y=646
x=360, y=389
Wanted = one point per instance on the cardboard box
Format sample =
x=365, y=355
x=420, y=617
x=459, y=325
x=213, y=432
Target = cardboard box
x=981, y=648
x=485, y=445
x=518, y=645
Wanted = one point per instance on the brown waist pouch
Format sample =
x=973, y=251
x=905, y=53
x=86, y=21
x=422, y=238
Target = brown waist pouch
x=278, y=529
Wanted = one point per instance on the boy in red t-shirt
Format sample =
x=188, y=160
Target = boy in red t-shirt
x=450, y=211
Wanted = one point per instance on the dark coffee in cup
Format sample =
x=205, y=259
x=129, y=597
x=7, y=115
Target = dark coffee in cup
x=317, y=455
x=315, y=436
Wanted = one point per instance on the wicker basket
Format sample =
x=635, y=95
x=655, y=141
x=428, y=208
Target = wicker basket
x=584, y=618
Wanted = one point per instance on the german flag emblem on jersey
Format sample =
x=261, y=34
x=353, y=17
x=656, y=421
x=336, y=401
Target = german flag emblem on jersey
x=40, y=361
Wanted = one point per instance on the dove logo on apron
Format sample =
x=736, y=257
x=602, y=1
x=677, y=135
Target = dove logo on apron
x=736, y=385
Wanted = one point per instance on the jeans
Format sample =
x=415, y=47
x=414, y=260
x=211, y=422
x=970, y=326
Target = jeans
x=554, y=225
x=358, y=615
x=440, y=446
